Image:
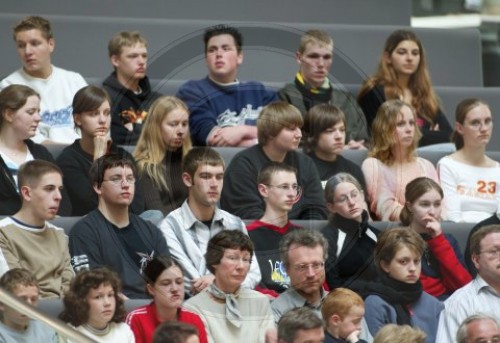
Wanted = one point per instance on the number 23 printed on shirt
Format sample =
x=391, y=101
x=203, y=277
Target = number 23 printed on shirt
x=486, y=187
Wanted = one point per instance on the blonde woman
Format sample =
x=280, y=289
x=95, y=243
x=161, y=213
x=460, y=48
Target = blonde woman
x=161, y=147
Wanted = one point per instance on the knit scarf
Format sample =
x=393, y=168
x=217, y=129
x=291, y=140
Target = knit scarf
x=232, y=311
x=399, y=294
x=313, y=96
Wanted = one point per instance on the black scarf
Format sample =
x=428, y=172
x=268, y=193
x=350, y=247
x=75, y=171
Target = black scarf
x=397, y=293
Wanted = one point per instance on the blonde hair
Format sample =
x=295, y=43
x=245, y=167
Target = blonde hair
x=150, y=151
x=392, y=333
x=320, y=37
x=383, y=128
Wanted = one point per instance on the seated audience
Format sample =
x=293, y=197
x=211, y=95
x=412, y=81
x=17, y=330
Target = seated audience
x=303, y=253
x=392, y=161
x=481, y=295
x=110, y=235
x=19, y=119
x=16, y=327
x=392, y=333
x=402, y=74
x=28, y=240
x=279, y=126
x=277, y=183
x=470, y=179
x=230, y=312
x=93, y=306
x=443, y=266
x=312, y=87
x=175, y=332
x=35, y=44
x=343, y=312
x=300, y=325
x=128, y=86
x=159, y=153
x=398, y=297
x=479, y=328
x=165, y=284
x=92, y=118
x=351, y=239
x=324, y=130
x=188, y=229
x=223, y=109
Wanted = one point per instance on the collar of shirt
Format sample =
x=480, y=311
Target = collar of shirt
x=190, y=220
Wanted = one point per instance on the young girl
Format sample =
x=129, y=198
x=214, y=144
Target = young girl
x=398, y=297
x=443, y=267
x=94, y=307
x=402, y=74
x=92, y=117
x=19, y=119
x=470, y=179
x=165, y=284
x=324, y=140
x=351, y=239
x=392, y=161
x=163, y=143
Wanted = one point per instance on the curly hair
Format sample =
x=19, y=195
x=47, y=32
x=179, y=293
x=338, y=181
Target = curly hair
x=76, y=307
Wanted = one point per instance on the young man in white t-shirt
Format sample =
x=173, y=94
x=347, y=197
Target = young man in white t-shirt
x=35, y=44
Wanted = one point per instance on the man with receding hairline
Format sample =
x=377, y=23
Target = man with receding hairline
x=27, y=240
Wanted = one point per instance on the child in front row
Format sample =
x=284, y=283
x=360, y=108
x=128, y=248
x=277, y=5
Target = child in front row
x=14, y=326
x=343, y=312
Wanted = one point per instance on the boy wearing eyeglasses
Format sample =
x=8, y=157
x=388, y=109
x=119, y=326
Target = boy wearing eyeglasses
x=279, y=131
x=28, y=240
x=277, y=185
x=112, y=236
x=303, y=253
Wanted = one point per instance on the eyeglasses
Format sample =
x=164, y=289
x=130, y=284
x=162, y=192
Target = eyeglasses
x=118, y=180
x=236, y=259
x=302, y=268
x=285, y=187
x=478, y=124
x=494, y=253
x=345, y=198
x=494, y=339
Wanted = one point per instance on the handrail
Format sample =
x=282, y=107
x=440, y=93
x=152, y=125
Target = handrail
x=9, y=300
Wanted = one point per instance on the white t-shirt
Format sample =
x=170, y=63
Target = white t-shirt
x=56, y=92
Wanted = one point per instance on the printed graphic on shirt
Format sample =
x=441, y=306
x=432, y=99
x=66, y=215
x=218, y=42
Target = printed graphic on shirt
x=59, y=118
x=484, y=190
x=79, y=263
x=247, y=116
x=278, y=273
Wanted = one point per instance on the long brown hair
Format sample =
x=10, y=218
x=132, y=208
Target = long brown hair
x=424, y=99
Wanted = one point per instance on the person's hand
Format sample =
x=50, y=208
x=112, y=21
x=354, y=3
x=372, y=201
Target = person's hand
x=356, y=145
x=101, y=144
x=271, y=336
x=201, y=283
x=226, y=136
x=353, y=336
x=433, y=226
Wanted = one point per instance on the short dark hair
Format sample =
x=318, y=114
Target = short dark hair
x=317, y=120
x=271, y=168
x=32, y=171
x=301, y=318
x=174, y=332
x=34, y=23
x=153, y=268
x=76, y=307
x=201, y=155
x=303, y=237
x=226, y=239
x=477, y=237
x=106, y=162
x=89, y=98
x=223, y=29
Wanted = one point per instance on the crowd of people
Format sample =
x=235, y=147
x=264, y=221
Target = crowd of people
x=166, y=221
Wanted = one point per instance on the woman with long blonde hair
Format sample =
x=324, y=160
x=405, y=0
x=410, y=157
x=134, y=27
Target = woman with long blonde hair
x=159, y=152
x=402, y=74
x=392, y=161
